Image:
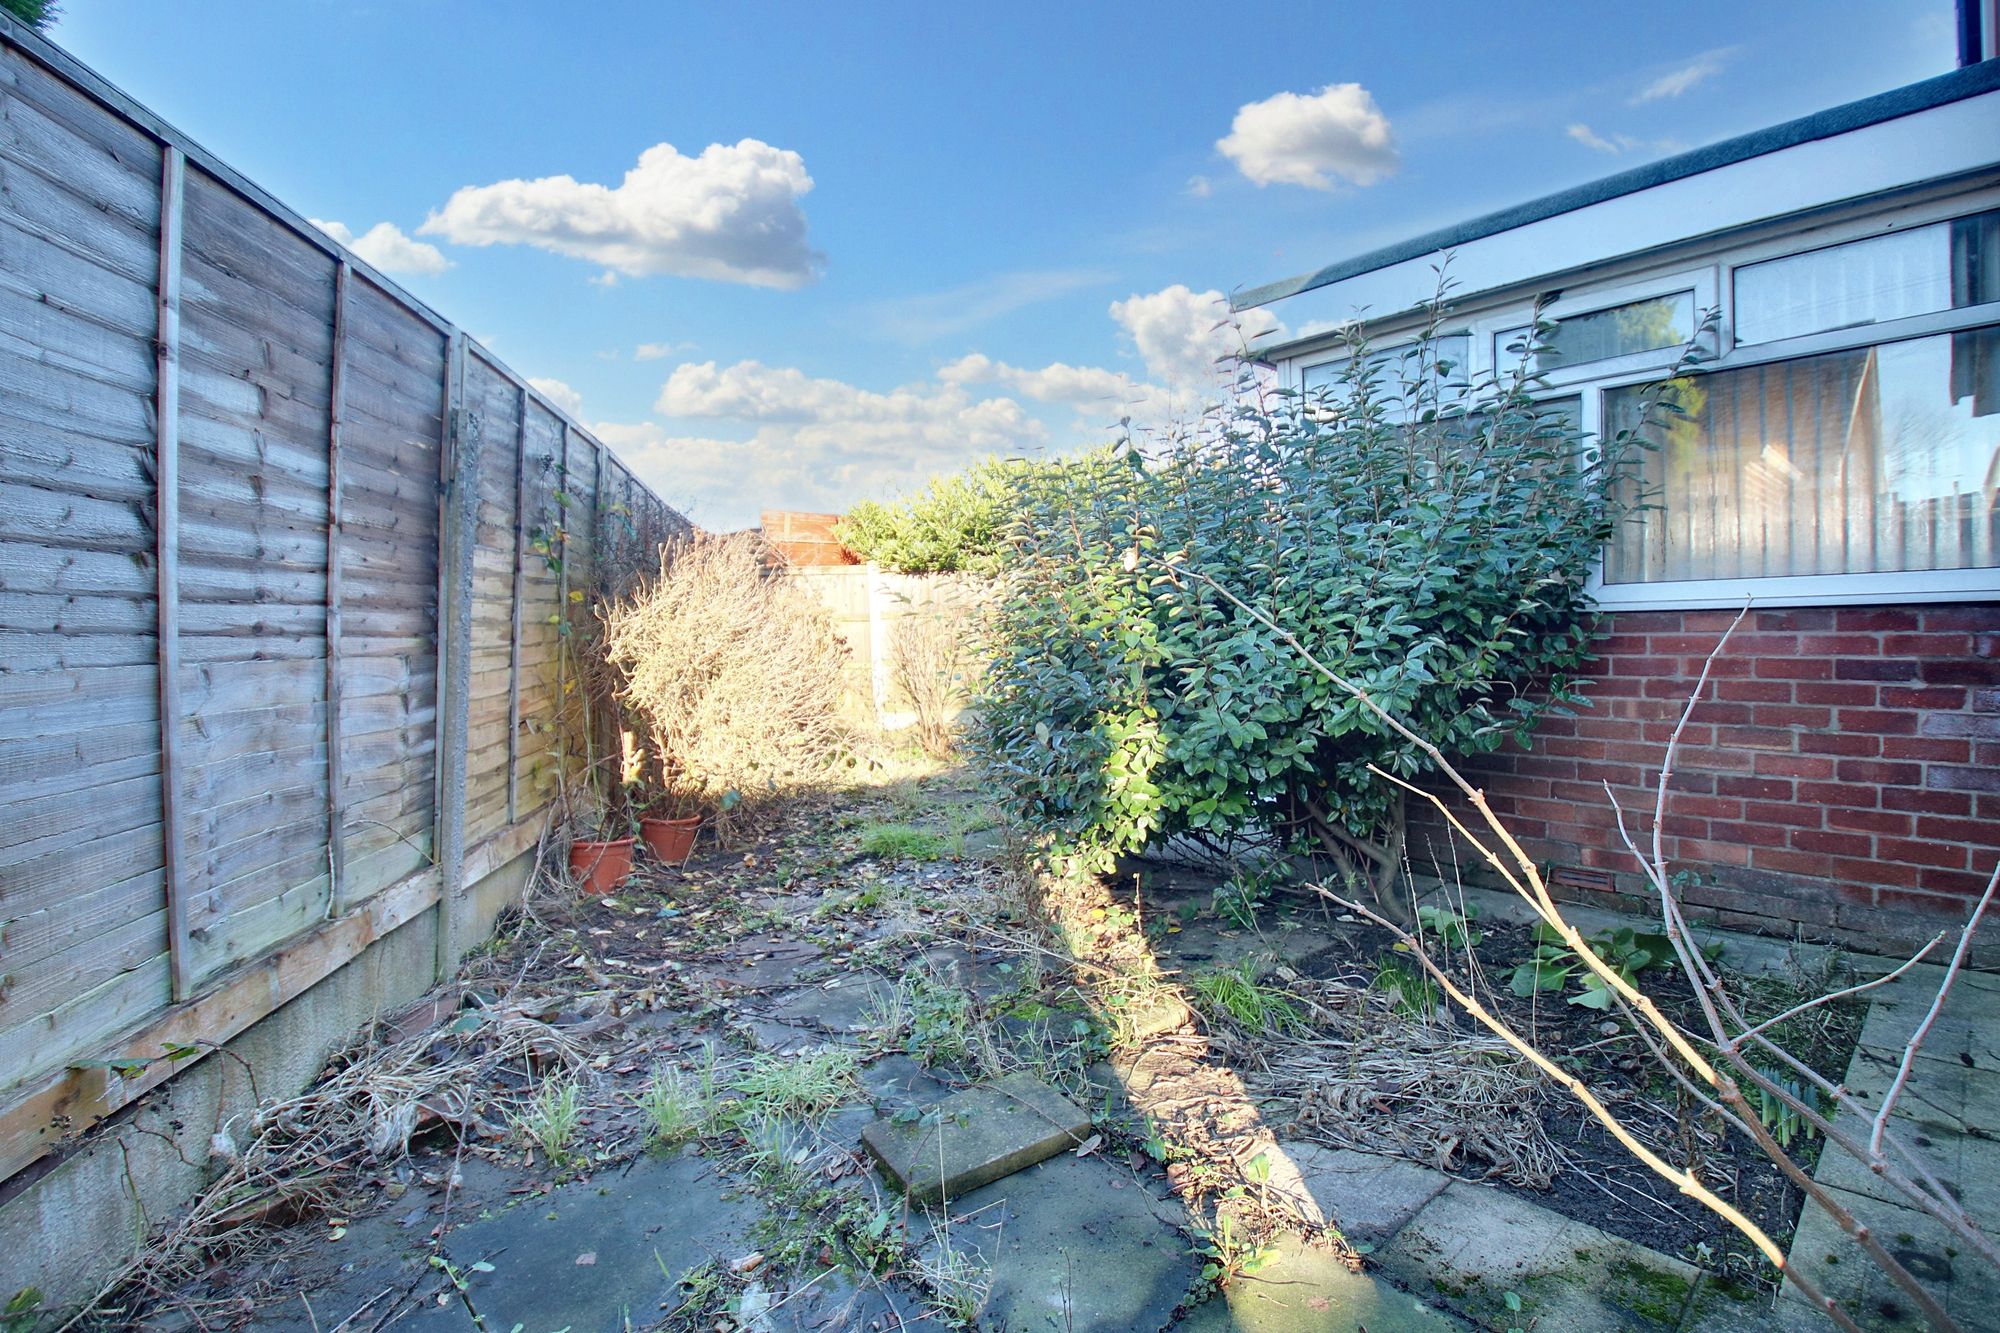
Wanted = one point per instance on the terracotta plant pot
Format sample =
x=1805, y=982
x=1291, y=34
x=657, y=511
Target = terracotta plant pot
x=600, y=866
x=670, y=839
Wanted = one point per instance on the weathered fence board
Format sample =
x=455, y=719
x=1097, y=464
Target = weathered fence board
x=281, y=589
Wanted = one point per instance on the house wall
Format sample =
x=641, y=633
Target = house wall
x=1840, y=775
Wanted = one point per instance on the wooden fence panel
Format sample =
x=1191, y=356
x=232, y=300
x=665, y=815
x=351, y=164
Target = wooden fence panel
x=256, y=393
x=388, y=551
x=225, y=445
x=82, y=898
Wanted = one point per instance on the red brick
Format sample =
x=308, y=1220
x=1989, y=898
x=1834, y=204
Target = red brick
x=1756, y=738
x=1754, y=691
x=1645, y=622
x=1791, y=862
x=1771, y=764
x=1961, y=671
x=1974, y=832
x=1915, y=851
x=1971, y=618
x=1848, y=794
x=1926, y=645
x=1813, y=618
x=1923, y=696
x=1950, y=777
x=1793, y=668
x=1935, y=749
x=1890, y=822
x=1921, y=904
x=1717, y=758
x=1882, y=772
x=1791, y=715
x=1878, y=721
x=1926, y=802
x=1707, y=807
x=1618, y=775
x=1689, y=645
x=1839, y=645
x=1866, y=668
x=1876, y=619
x=1983, y=725
x=1791, y=816
x=1872, y=871
x=1757, y=788
x=1840, y=743
x=1714, y=853
x=1834, y=844
x=1965, y=883
x=1749, y=835
x=1644, y=666
x=1845, y=694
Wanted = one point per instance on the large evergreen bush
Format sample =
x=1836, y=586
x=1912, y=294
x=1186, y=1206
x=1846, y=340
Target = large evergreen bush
x=1426, y=538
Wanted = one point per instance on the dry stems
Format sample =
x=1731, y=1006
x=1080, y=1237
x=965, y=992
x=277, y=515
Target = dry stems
x=1715, y=1078
x=734, y=673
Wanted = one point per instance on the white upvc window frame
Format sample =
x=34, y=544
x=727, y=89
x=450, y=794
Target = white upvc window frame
x=1859, y=589
x=1702, y=280
x=1711, y=276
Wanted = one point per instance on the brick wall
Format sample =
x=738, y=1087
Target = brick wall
x=1843, y=772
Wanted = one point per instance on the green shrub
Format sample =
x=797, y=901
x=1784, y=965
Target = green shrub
x=956, y=523
x=1429, y=545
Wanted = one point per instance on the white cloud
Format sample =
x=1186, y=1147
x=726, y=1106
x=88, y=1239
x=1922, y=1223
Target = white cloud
x=812, y=443
x=564, y=397
x=1095, y=393
x=933, y=315
x=1616, y=144
x=1201, y=187
x=659, y=351
x=1590, y=138
x=1181, y=334
x=387, y=247
x=732, y=214
x=1677, y=81
x=1296, y=139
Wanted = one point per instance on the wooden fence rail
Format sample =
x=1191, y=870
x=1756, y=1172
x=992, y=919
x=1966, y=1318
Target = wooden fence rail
x=285, y=561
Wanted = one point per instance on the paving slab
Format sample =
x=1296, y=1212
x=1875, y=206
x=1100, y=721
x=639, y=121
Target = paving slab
x=1471, y=1245
x=1072, y=1245
x=1369, y=1198
x=976, y=1137
x=593, y=1253
x=1307, y=1289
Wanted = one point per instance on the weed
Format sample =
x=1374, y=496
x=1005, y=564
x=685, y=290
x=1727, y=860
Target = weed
x=550, y=1121
x=1226, y=1254
x=940, y=1023
x=956, y=1285
x=1236, y=993
x=904, y=842
x=678, y=1106
x=1453, y=929
x=1410, y=991
x=808, y=1084
x=1629, y=953
x=1238, y=899
x=22, y=1311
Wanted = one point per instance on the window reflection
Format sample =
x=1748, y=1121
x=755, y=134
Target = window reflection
x=1876, y=460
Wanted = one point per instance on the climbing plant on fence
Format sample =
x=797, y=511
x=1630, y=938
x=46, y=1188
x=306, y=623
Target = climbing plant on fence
x=1426, y=537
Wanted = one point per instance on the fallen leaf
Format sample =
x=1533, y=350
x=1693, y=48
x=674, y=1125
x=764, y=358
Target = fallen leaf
x=1090, y=1145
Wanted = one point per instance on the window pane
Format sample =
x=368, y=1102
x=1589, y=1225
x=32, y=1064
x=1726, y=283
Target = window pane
x=1640, y=326
x=1875, y=460
x=1940, y=267
x=1394, y=366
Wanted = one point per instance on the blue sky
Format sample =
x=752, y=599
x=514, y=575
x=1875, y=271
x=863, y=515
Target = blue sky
x=889, y=239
